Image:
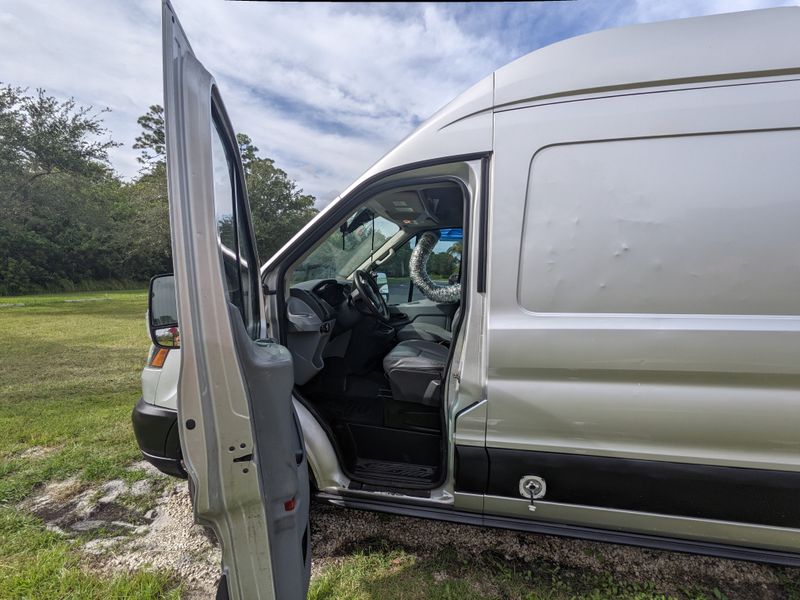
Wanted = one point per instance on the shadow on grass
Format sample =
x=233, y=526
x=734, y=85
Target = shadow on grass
x=376, y=569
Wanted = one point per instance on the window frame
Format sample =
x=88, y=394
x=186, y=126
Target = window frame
x=249, y=308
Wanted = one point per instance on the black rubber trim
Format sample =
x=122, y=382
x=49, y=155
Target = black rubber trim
x=241, y=207
x=168, y=466
x=472, y=469
x=222, y=588
x=774, y=557
x=757, y=496
x=483, y=227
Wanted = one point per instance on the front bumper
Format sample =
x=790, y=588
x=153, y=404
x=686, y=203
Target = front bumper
x=156, y=431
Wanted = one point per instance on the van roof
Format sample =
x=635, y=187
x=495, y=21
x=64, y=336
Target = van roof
x=741, y=45
x=727, y=46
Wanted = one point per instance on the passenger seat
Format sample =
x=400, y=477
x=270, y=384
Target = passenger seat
x=415, y=369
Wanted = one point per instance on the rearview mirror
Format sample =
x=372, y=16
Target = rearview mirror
x=162, y=312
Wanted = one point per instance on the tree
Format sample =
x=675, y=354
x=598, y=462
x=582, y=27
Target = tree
x=67, y=221
x=57, y=192
x=152, y=140
x=278, y=206
x=42, y=136
x=455, y=251
x=146, y=209
x=247, y=151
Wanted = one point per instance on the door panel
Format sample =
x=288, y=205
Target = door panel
x=239, y=436
x=758, y=496
x=580, y=371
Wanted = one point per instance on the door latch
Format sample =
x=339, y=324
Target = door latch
x=533, y=488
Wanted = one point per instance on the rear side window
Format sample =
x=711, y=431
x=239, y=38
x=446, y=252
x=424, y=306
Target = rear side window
x=444, y=267
x=706, y=224
x=239, y=261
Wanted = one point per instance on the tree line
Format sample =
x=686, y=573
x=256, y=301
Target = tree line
x=69, y=222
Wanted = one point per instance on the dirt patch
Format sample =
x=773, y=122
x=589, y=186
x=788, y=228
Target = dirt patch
x=71, y=507
x=36, y=452
x=118, y=537
x=337, y=532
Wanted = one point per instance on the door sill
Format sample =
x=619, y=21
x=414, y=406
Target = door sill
x=388, y=489
x=404, y=507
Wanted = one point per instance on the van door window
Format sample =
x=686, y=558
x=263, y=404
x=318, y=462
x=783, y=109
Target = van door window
x=238, y=258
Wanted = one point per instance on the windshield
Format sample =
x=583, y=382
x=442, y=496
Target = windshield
x=346, y=247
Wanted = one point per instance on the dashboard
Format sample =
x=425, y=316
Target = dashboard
x=318, y=311
x=332, y=291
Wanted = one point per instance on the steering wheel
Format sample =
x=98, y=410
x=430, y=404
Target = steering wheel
x=368, y=290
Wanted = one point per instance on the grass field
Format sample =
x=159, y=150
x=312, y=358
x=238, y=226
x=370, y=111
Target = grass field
x=69, y=378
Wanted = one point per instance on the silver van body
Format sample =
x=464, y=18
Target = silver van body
x=624, y=360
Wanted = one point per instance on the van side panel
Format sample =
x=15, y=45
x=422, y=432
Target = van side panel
x=683, y=225
x=651, y=319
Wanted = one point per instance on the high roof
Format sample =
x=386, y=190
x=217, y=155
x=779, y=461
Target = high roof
x=755, y=43
x=732, y=45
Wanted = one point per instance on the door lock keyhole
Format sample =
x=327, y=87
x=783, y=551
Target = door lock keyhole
x=533, y=488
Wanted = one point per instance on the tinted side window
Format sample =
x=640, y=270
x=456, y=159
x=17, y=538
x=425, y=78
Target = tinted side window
x=238, y=257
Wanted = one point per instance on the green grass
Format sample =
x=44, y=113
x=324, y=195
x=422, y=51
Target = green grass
x=70, y=377
x=39, y=564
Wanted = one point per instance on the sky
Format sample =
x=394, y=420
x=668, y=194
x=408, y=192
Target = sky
x=323, y=89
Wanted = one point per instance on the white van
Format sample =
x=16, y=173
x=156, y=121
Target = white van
x=614, y=353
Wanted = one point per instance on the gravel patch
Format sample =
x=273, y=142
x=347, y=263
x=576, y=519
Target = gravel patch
x=171, y=542
x=140, y=488
x=149, y=470
x=164, y=536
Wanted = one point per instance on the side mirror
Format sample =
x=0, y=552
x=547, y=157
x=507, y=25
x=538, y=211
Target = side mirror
x=383, y=285
x=162, y=312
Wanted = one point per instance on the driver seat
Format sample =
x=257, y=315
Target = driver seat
x=415, y=369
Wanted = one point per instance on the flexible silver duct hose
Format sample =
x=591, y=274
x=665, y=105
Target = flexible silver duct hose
x=418, y=266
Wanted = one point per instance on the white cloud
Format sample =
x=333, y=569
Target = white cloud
x=325, y=89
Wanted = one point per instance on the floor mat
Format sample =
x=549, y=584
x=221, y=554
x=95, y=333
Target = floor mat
x=395, y=472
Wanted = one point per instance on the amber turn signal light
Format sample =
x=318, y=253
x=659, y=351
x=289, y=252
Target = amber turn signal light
x=158, y=357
